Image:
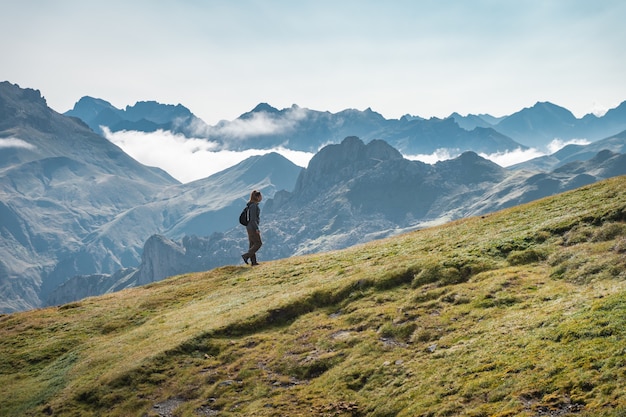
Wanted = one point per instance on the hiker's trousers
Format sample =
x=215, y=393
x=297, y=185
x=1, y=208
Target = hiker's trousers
x=254, y=238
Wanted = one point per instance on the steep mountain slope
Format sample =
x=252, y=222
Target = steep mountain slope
x=206, y=206
x=612, y=121
x=59, y=182
x=521, y=312
x=528, y=185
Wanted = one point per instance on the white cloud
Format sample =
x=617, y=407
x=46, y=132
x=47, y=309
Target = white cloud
x=558, y=144
x=441, y=154
x=299, y=158
x=517, y=156
x=258, y=124
x=505, y=159
x=15, y=143
x=188, y=159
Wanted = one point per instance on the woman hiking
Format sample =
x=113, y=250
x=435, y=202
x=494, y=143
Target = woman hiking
x=254, y=234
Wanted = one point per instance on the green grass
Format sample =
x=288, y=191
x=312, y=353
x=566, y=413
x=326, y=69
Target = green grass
x=518, y=313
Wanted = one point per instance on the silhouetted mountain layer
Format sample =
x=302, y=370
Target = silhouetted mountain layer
x=544, y=122
x=308, y=130
x=144, y=116
x=266, y=127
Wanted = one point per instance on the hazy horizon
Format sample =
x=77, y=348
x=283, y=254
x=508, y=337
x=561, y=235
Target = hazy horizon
x=400, y=57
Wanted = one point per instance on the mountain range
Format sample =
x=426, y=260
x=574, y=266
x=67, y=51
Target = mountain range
x=266, y=127
x=80, y=217
x=145, y=116
x=545, y=121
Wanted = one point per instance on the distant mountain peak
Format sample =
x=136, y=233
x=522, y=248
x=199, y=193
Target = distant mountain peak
x=260, y=108
x=88, y=100
x=544, y=104
x=145, y=116
x=354, y=148
x=470, y=156
x=264, y=107
x=156, y=112
x=538, y=125
x=340, y=162
x=88, y=108
x=553, y=108
x=13, y=93
x=23, y=107
x=471, y=168
x=155, y=105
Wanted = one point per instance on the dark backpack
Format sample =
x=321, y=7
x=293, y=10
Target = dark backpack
x=244, y=217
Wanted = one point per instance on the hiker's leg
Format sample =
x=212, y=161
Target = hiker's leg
x=249, y=254
x=256, y=243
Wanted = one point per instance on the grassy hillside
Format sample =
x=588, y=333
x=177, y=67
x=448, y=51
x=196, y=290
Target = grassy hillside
x=522, y=312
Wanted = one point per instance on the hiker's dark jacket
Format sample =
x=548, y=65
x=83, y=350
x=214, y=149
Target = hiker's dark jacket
x=255, y=217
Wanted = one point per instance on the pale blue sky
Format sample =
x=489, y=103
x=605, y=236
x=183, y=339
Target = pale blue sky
x=221, y=58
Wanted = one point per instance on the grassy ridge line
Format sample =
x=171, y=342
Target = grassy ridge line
x=57, y=352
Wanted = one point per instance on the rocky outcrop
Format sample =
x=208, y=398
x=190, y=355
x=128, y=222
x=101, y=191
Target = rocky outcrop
x=161, y=258
x=342, y=162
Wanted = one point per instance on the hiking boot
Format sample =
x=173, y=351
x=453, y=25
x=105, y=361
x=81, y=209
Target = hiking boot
x=245, y=258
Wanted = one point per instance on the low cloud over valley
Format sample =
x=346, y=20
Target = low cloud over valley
x=190, y=159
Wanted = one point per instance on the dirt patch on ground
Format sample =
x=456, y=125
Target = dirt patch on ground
x=167, y=408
